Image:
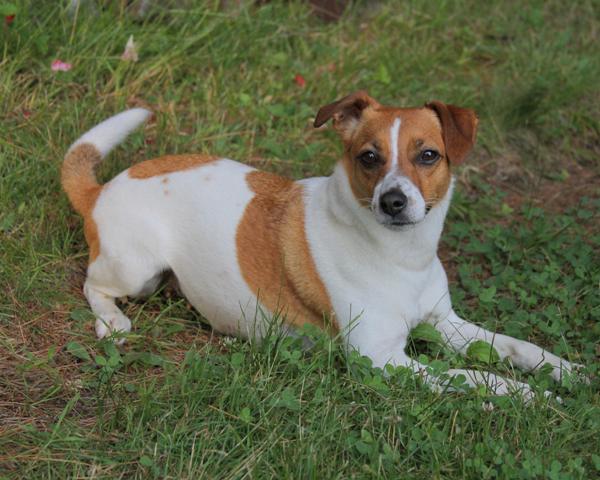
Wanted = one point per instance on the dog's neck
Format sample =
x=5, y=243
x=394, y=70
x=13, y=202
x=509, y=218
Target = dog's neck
x=413, y=248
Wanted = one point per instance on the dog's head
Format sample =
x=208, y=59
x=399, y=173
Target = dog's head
x=398, y=160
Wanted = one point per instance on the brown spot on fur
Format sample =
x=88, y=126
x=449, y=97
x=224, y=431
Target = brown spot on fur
x=168, y=164
x=82, y=188
x=165, y=180
x=274, y=254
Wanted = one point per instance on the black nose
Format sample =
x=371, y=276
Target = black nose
x=393, y=202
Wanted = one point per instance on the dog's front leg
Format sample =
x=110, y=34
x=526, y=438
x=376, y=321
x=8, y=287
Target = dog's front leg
x=390, y=349
x=459, y=334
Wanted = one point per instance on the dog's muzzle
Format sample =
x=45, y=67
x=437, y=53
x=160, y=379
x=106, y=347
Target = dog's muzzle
x=393, y=202
x=393, y=205
x=397, y=203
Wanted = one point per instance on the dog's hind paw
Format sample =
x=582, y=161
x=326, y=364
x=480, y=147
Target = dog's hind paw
x=113, y=324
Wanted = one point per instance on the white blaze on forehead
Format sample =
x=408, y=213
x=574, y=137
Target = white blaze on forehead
x=414, y=211
x=394, y=131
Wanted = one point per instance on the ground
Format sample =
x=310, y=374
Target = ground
x=522, y=242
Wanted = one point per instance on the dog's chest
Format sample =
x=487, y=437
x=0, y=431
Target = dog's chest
x=365, y=281
x=371, y=289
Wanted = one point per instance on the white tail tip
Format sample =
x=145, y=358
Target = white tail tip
x=112, y=131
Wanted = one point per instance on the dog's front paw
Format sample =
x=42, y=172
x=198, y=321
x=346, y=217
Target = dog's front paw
x=512, y=387
x=572, y=371
x=495, y=384
x=117, y=323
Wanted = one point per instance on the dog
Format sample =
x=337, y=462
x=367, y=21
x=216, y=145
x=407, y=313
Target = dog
x=354, y=253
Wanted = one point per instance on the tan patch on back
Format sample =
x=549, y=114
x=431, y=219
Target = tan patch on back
x=274, y=254
x=168, y=164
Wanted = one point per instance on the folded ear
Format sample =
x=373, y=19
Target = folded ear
x=459, y=129
x=346, y=112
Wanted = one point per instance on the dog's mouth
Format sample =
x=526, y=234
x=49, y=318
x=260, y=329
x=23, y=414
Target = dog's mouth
x=400, y=222
x=398, y=225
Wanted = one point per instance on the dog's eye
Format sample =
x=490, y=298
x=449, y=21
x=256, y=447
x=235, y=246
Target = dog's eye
x=369, y=159
x=428, y=157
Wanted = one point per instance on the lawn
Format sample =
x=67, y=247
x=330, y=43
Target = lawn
x=522, y=242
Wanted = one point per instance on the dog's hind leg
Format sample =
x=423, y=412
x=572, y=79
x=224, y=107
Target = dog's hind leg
x=109, y=318
x=109, y=279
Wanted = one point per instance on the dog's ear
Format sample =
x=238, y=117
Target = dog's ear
x=459, y=129
x=346, y=112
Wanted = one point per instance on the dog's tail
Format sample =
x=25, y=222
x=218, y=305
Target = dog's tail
x=78, y=177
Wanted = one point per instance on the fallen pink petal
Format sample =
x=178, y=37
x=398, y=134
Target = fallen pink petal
x=130, y=54
x=300, y=81
x=60, y=66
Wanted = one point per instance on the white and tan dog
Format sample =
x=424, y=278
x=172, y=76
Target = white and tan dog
x=353, y=253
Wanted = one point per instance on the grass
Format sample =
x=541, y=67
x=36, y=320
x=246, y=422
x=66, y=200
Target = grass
x=179, y=401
